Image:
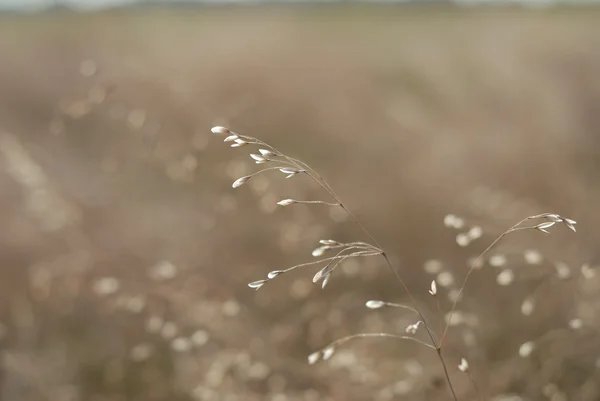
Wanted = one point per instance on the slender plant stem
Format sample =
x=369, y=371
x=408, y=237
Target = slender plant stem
x=317, y=202
x=390, y=335
x=476, y=262
x=323, y=183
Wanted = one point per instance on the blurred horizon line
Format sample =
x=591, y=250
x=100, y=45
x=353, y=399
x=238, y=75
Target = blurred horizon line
x=19, y=6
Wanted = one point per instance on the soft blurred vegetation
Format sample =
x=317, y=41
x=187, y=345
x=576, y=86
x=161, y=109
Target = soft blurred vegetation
x=125, y=254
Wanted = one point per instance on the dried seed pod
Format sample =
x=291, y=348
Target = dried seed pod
x=374, y=304
x=268, y=153
x=238, y=143
x=290, y=171
x=275, y=273
x=286, y=202
x=412, y=328
x=464, y=365
x=325, y=280
x=544, y=226
x=314, y=358
x=328, y=352
x=433, y=288
x=241, y=181
x=258, y=158
x=257, y=284
x=329, y=242
x=320, y=251
x=220, y=130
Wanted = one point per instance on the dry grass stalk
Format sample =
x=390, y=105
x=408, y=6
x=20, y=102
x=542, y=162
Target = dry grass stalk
x=292, y=167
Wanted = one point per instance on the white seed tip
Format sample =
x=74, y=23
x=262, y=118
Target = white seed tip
x=286, y=202
x=267, y=153
x=475, y=232
x=257, y=284
x=563, y=271
x=220, y=130
x=374, y=304
x=257, y=158
x=527, y=306
x=412, y=328
x=433, y=288
x=587, y=271
x=240, y=181
x=526, y=349
x=314, y=357
x=230, y=138
x=506, y=277
x=464, y=365
x=328, y=352
x=319, y=275
x=329, y=242
x=463, y=239
x=533, y=257
x=325, y=280
x=497, y=260
x=275, y=273
x=319, y=251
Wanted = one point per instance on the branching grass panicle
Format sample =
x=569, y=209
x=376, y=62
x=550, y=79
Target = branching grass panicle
x=343, y=251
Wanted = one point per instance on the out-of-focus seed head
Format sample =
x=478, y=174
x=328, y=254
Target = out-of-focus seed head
x=231, y=138
x=445, y=279
x=220, y=130
x=475, y=232
x=497, y=260
x=587, y=272
x=563, y=271
x=433, y=266
x=412, y=328
x=320, y=251
x=314, y=358
x=463, y=239
x=374, y=304
x=464, y=365
x=453, y=221
x=240, y=181
x=506, y=277
x=533, y=257
x=528, y=306
x=328, y=352
x=526, y=349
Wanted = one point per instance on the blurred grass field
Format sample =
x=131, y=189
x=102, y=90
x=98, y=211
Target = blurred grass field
x=125, y=252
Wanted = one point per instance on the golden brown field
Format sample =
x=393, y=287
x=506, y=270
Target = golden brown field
x=125, y=253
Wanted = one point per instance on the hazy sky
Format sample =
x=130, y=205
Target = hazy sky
x=96, y=4
x=36, y=4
